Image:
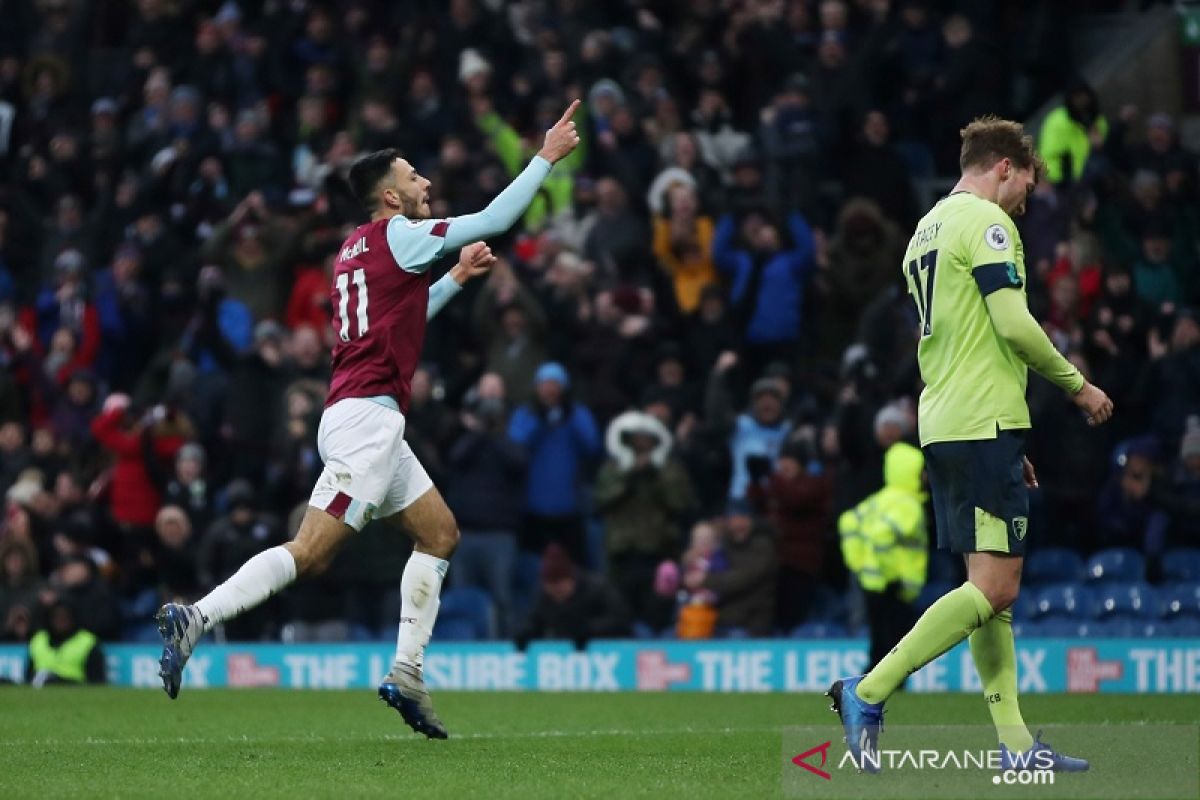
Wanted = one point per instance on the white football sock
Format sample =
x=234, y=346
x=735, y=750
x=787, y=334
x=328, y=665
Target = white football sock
x=420, y=587
x=259, y=578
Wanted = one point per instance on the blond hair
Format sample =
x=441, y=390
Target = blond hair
x=989, y=138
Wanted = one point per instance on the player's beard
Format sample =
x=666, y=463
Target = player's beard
x=418, y=209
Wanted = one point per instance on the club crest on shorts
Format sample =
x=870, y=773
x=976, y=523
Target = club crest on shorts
x=1020, y=526
x=996, y=237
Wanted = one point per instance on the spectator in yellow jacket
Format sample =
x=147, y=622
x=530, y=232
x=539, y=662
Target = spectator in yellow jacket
x=886, y=546
x=683, y=246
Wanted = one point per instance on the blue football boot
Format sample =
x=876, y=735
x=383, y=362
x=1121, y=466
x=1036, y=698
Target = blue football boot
x=1040, y=757
x=862, y=722
x=180, y=627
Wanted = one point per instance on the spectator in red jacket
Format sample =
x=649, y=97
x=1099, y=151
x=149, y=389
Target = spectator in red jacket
x=797, y=500
x=134, y=498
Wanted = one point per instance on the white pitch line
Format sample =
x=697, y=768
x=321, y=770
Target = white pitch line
x=154, y=740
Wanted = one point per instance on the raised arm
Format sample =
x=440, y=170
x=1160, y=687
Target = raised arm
x=508, y=206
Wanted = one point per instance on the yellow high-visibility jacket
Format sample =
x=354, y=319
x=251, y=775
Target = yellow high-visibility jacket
x=68, y=661
x=884, y=538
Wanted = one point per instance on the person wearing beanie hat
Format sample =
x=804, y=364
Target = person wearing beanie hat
x=572, y=604
x=561, y=439
x=188, y=488
x=755, y=435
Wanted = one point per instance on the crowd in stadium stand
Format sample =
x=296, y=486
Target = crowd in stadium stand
x=689, y=360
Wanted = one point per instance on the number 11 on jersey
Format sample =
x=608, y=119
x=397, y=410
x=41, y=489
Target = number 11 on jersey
x=922, y=290
x=343, y=287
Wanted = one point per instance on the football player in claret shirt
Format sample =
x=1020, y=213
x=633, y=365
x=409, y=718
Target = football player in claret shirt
x=965, y=268
x=381, y=301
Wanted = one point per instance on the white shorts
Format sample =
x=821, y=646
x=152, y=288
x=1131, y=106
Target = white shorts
x=370, y=471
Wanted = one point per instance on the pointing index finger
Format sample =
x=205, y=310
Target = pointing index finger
x=570, y=112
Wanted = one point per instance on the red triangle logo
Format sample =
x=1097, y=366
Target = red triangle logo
x=823, y=749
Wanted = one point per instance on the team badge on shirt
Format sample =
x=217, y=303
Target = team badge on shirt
x=996, y=237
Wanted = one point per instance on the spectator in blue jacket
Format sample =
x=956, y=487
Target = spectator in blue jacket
x=560, y=438
x=768, y=280
x=757, y=434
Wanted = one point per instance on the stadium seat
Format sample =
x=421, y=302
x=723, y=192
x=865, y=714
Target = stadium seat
x=1052, y=628
x=1181, y=564
x=1180, y=626
x=1116, y=564
x=1179, y=601
x=1124, y=601
x=526, y=583
x=1125, y=628
x=819, y=630
x=456, y=629
x=1061, y=601
x=643, y=631
x=1026, y=605
x=931, y=592
x=464, y=611
x=1052, y=565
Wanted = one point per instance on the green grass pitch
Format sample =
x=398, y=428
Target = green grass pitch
x=108, y=742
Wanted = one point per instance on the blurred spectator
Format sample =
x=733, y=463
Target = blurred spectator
x=1071, y=459
x=797, y=500
x=561, y=440
x=19, y=588
x=1178, y=492
x=1127, y=515
x=175, y=559
x=64, y=652
x=768, y=280
x=77, y=581
x=573, y=605
x=711, y=331
x=886, y=546
x=227, y=544
x=755, y=435
x=1173, y=374
x=251, y=248
x=860, y=263
x=159, y=433
x=697, y=609
x=878, y=172
x=788, y=130
x=187, y=487
x=745, y=586
x=254, y=401
x=1070, y=132
x=618, y=238
x=484, y=482
x=513, y=324
x=1159, y=273
x=66, y=323
x=642, y=495
x=683, y=246
x=430, y=424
